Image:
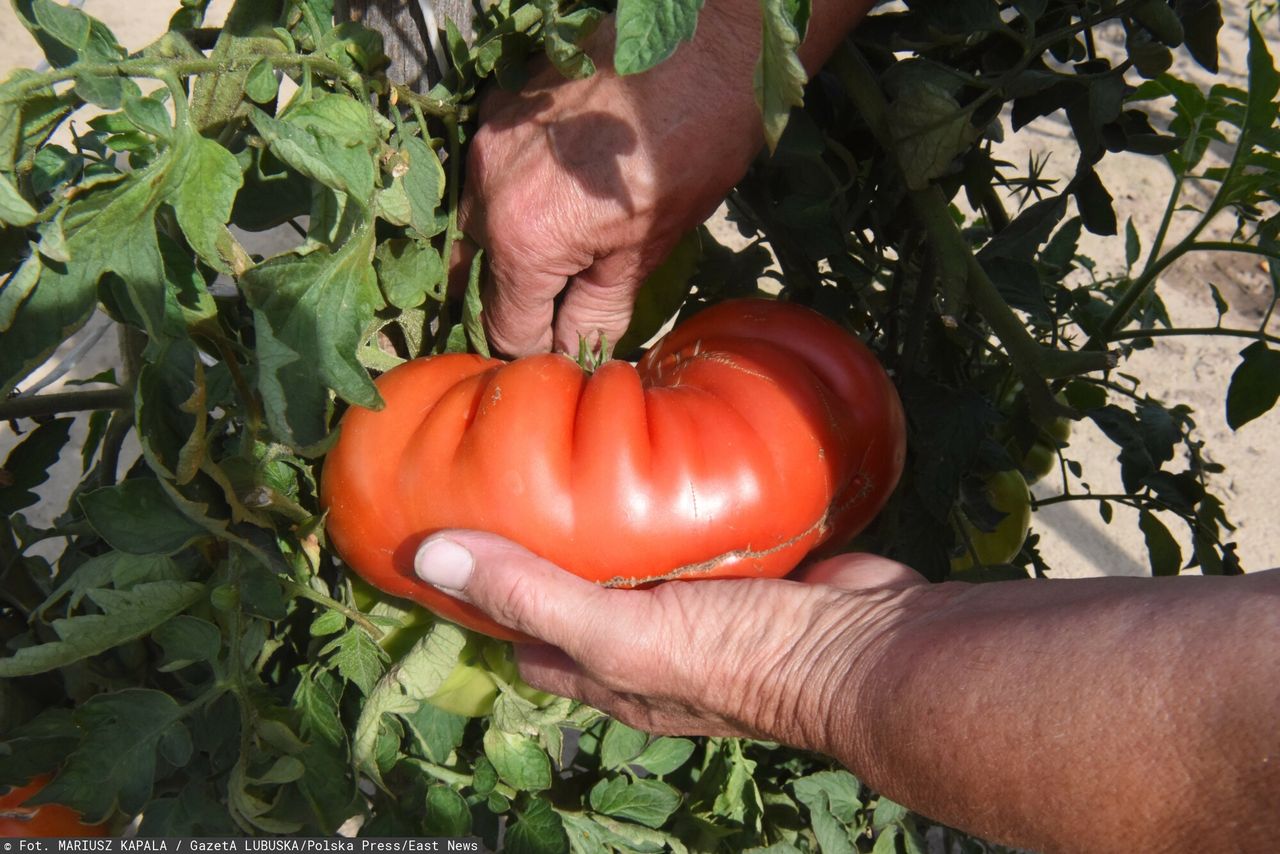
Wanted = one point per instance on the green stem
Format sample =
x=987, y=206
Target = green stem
x=1255, y=334
x=305, y=592
x=65, y=401
x=160, y=68
x=1121, y=310
x=1228, y=246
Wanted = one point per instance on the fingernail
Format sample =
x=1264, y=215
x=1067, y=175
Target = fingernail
x=445, y=564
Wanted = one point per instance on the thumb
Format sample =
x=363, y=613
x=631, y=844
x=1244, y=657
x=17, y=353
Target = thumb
x=513, y=586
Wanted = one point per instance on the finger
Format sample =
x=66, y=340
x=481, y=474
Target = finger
x=598, y=301
x=531, y=595
x=860, y=572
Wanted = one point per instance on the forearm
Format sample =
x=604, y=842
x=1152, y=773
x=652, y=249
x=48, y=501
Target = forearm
x=1103, y=714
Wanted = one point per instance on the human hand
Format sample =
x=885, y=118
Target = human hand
x=768, y=658
x=584, y=186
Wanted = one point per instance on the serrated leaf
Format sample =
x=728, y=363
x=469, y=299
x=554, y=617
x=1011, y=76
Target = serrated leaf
x=14, y=209
x=331, y=161
x=139, y=517
x=409, y=271
x=649, y=802
x=203, y=195
x=127, y=615
x=1254, y=386
x=27, y=465
x=518, y=759
x=665, y=755
x=437, y=732
x=1162, y=549
x=310, y=315
x=424, y=188
x=186, y=640
x=1264, y=82
x=358, y=658
x=649, y=31
x=779, y=76
x=538, y=830
x=69, y=26
x=17, y=288
x=115, y=764
x=621, y=744
x=1132, y=244
x=404, y=687
x=930, y=131
x=447, y=813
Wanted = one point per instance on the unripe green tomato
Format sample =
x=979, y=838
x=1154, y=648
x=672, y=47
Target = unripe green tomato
x=468, y=691
x=1007, y=492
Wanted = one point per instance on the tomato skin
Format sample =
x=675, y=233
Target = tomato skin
x=1006, y=491
x=745, y=438
x=21, y=821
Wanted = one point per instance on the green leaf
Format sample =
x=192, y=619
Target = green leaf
x=27, y=465
x=665, y=755
x=405, y=687
x=1162, y=549
x=436, y=731
x=126, y=615
x=621, y=744
x=649, y=31
x=328, y=139
x=310, y=315
x=447, y=813
x=649, y=802
x=1132, y=244
x=424, y=187
x=14, y=209
x=150, y=116
x=1201, y=23
x=66, y=24
x=539, y=830
x=186, y=640
x=565, y=37
x=1264, y=82
x=1255, y=384
x=930, y=131
x=17, y=288
x=203, y=195
x=358, y=658
x=260, y=84
x=887, y=812
x=518, y=759
x=138, y=517
x=409, y=271
x=663, y=293
x=115, y=764
x=779, y=76
x=886, y=841
x=472, y=309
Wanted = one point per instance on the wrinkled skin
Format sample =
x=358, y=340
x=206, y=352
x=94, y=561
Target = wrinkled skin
x=749, y=436
x=584, y=186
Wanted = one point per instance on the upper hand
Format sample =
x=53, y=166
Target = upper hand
x=584, y=186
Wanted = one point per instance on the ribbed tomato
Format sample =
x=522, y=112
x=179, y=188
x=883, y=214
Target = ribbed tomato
x=745, y=438
x=22, y=821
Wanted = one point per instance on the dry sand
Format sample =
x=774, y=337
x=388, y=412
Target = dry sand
x=1194, y=371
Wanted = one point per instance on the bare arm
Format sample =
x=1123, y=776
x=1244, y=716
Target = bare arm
x=1100, y=714
x=1108, y=714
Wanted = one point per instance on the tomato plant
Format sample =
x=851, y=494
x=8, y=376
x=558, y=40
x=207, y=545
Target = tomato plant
x=751, y=434
x=19, y=819
x=179, y=638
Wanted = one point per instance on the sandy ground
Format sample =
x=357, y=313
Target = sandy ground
x=1194, y=371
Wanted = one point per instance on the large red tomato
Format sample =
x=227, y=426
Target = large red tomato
x=19, y=820
x=746, y=437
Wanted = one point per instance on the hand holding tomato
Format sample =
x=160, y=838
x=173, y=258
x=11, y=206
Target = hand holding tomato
x=750, y=657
